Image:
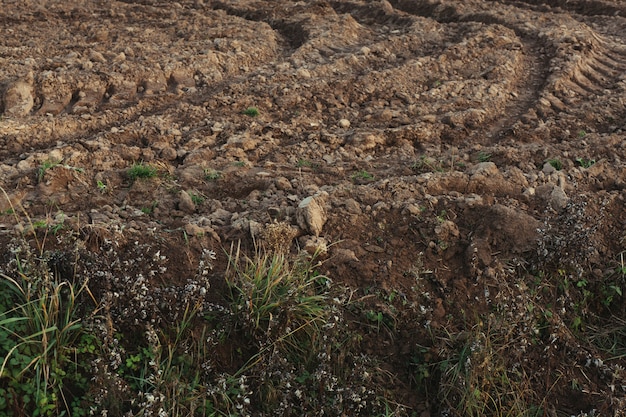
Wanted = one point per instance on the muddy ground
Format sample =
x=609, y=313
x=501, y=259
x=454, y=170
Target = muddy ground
x=459, y=166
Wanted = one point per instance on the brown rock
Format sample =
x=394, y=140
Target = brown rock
x=311, y=214
x=185, y=203
x=18, y=98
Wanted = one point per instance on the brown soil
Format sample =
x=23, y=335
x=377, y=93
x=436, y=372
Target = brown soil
x=467, y=159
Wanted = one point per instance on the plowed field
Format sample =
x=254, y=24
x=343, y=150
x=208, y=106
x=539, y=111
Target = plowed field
x=454, y=169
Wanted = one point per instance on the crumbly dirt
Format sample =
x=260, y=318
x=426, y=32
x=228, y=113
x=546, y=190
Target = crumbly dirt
x=466, y=161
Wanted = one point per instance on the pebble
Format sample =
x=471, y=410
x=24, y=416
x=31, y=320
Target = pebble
x=185, y=203
x=283, y=184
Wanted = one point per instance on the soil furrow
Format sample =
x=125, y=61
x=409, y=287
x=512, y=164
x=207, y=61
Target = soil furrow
x=454, y=170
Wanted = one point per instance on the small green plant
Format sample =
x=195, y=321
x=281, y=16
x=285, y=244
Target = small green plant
x=609, y=292
x=420, y=368
x=39, y=224
x=49, y=164
x=196, y=198
x=484, y=156
x=418, y=270
x=56, y=228
x=150, y=209
x=240, y=164
x=304, y=163
x=251, y=111
x=362, y=175
x=585, y=163
x=556, y=164
x=44, y=167
x=582, y=133
x=141, y=170
x=212, y=174
x=102, y=187
x=427, y=164
x=380, y=320
x=307, y=163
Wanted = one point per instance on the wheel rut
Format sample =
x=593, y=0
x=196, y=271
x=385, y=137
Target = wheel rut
x=549, y=75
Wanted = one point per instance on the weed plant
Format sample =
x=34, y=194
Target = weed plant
x=44, y=347
x=305, y=358
x=212, y=174
x=49, y=164
x=362, y=175
x=251, y=111
x=477, y=379
x=42, y=372
x=556, y=164
x=427, y=164
x=141, y=170
x=44, y=167
x=278, y=302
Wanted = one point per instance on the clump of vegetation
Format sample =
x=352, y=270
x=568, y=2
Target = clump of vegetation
x=45, y=347
x=278, y=236
x=150, y=209
x=427, y=164
x=306, y=163
x=556, y=164
x=585, y=163
x=477, y=380
x=102, y=187
x=484, y=156
x=44, y=167
x=277, y=301
x=251, y=111
x=49, y=164
x=212, y=174
x=141, y=170
x=362, y=175
x=196, y=197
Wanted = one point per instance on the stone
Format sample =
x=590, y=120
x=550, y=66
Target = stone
x=553, y=195
x=484, y=168
x=352, y=206
x=220, y=217
x=548, y=168
x=193, y=229
x=315, y=246
x=303, y=73
x=283, y=184
x=18, y=98
x=96, y=56
x=185, y=203
x=311, y=214
x=374, y=249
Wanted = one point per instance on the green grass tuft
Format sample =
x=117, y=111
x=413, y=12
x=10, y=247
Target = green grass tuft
x=251, y=111
x=141, y=170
